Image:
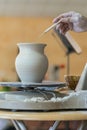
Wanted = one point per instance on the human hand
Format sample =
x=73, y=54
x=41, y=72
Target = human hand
x=71, y=21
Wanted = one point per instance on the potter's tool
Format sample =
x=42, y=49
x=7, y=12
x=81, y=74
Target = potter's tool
x=49, y=28
x=52, y=26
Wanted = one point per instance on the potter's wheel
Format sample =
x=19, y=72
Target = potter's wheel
x=36, y=99
x=33, y=96
x=42, y=100
x=33, y=85
x=29, y=100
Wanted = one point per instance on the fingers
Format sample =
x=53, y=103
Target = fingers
x=66, y=21
x=57, y=19
x=64, y=27
x=71, y=21
x=65, y=30
x=64, y=15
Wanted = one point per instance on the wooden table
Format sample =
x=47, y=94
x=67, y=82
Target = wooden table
x=44, y=116
x=18, y=117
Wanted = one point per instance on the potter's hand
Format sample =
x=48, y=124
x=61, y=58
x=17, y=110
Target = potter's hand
x=71, y=21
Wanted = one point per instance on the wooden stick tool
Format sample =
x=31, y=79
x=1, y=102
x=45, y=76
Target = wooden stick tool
x=52, y=26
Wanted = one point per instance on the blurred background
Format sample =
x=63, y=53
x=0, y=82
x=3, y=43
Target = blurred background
x=24, y=21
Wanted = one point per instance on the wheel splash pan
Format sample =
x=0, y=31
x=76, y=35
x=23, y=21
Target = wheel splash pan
x=43, y=100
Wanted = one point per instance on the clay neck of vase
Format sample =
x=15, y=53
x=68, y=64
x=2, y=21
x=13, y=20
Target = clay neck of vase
x=35, y=47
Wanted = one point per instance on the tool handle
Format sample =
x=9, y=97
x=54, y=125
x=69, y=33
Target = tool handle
x=51, y=27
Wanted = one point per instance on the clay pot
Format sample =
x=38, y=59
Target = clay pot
x=31, y=63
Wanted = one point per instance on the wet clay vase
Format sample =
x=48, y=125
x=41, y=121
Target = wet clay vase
x=31, y=63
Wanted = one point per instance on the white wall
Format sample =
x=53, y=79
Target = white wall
x=41, y=7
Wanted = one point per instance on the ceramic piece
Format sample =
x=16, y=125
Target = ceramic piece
x=31, y=63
